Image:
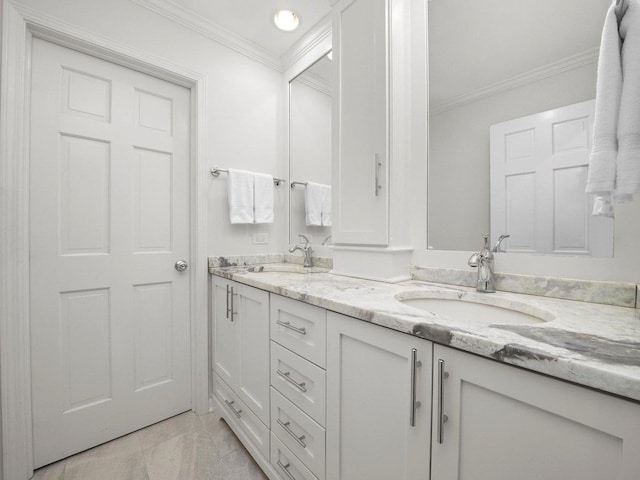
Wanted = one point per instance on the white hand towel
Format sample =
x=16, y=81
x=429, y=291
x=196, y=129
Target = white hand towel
x=313, y=201
x=240, y=193
x=628, y=164
x=602, y=163
x=263, y=198
x=326, y=206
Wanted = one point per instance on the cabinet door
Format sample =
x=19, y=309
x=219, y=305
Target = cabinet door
x=504, y=422
x=225, y=358
x=375, y=380
x=252, y=382
x=360, y=137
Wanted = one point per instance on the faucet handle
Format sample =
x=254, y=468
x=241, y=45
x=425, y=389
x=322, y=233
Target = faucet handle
x=498, y=244
x=326, y=240
x=474, y=260
x=304, y=238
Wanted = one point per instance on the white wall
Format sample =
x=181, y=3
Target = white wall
x=244, y=105
x=309, y=152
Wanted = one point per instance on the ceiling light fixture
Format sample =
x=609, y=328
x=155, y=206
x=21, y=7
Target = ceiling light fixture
x=286, y=20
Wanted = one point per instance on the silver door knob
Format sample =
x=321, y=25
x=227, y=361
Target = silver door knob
x=181, y=265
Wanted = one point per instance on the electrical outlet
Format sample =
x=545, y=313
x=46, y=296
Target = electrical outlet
x=260, y=238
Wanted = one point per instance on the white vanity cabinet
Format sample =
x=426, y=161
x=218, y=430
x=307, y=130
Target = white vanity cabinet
x=378, y=402
x=505, y=422
x=360, y=133
x=241, y=346
x=298, y=386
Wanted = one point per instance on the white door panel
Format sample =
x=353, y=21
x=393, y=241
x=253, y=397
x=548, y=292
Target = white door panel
x=109, y=217
x=538, y=179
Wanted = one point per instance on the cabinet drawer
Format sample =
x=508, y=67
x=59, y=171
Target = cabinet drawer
x=300, y=327
x=241, y=415
x=304, y=437
x=300, y=381
x=287, y=464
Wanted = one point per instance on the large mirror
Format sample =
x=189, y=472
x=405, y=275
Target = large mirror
x=310, y=153
x=498, y=70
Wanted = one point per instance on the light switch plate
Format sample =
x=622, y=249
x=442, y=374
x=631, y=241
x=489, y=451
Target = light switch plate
x=260, y=238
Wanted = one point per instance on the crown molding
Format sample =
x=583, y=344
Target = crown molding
x=315, y=82
x=566, y=64
x=314, y=37
x=194, y=22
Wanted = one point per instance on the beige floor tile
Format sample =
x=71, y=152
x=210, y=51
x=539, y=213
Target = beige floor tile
x=123, y=467
x=185, y=457
x=237, y=465
x=172, y=427
x=115, y=450
x=224, y=440
x=55, y=471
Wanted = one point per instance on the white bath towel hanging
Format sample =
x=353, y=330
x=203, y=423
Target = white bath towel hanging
x=326, y=206
x=614, y=165
x=263, y=198
x=240, y=194
x=313, y=203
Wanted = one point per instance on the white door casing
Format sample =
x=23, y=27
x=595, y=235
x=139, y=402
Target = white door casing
x=538, y=171
x=109, y=210
x=20, y=25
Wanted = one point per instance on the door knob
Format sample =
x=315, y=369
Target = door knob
x=181, y=265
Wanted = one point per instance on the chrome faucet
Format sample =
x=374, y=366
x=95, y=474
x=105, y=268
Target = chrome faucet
x=497, y=248
x=305, y=249
x=483, y=260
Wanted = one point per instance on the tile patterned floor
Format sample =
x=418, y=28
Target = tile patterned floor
x=185, y=447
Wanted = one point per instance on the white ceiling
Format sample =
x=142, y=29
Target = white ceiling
x=253, y=19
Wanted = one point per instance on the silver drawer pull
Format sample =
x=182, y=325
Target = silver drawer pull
x=288, y=325
x=230, y=404
x=290, y=432
x=285, y=469
x=286, y=376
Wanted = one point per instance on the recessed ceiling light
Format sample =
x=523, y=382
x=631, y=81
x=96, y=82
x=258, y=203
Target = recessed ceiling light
x=286, y=20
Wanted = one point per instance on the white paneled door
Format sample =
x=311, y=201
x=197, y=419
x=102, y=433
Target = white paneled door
x=538, y=178
x=109, y=219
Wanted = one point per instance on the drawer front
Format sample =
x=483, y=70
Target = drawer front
x=300, y=327
x=287, y=464
x=300, y=381
x=241, y=415
x=304, y=437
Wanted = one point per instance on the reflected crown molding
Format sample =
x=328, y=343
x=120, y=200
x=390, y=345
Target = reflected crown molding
x=194, y=22
x=569, y=63
x=314, y=82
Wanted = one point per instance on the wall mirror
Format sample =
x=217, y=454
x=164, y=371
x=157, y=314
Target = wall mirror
x=523, y=72
x=310, y=149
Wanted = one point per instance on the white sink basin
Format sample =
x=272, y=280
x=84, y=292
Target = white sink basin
x=476, y=308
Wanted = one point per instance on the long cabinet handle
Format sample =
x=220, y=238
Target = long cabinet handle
x=415, y=363
x=442, y=418
x=301, y=330
x=228, y=292
x=286, y=375
x=377, y=165
x=230, y=405
x=231, y=302
x=285, y=469
x=299, y=439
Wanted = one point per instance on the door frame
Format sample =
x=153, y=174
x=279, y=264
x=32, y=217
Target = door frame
x=20, y=24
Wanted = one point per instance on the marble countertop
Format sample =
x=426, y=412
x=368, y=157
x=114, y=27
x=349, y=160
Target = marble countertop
x=586, y=343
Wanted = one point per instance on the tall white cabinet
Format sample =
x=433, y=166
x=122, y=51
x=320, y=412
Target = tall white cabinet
x=361, y=157
x=379, y=132
x=378, y=402
x=492, y=421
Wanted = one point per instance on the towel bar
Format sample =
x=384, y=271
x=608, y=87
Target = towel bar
x=215, y=171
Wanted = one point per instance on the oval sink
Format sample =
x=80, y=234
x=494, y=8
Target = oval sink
x=482, y=308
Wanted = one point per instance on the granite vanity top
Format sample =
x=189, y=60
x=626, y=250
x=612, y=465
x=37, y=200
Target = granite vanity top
x=586, y=343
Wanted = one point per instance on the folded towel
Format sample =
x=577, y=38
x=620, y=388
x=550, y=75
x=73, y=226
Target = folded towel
x=263, y=198
x=240, y=193
x=614, y=165
x=313, y=202
x=628, y=164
